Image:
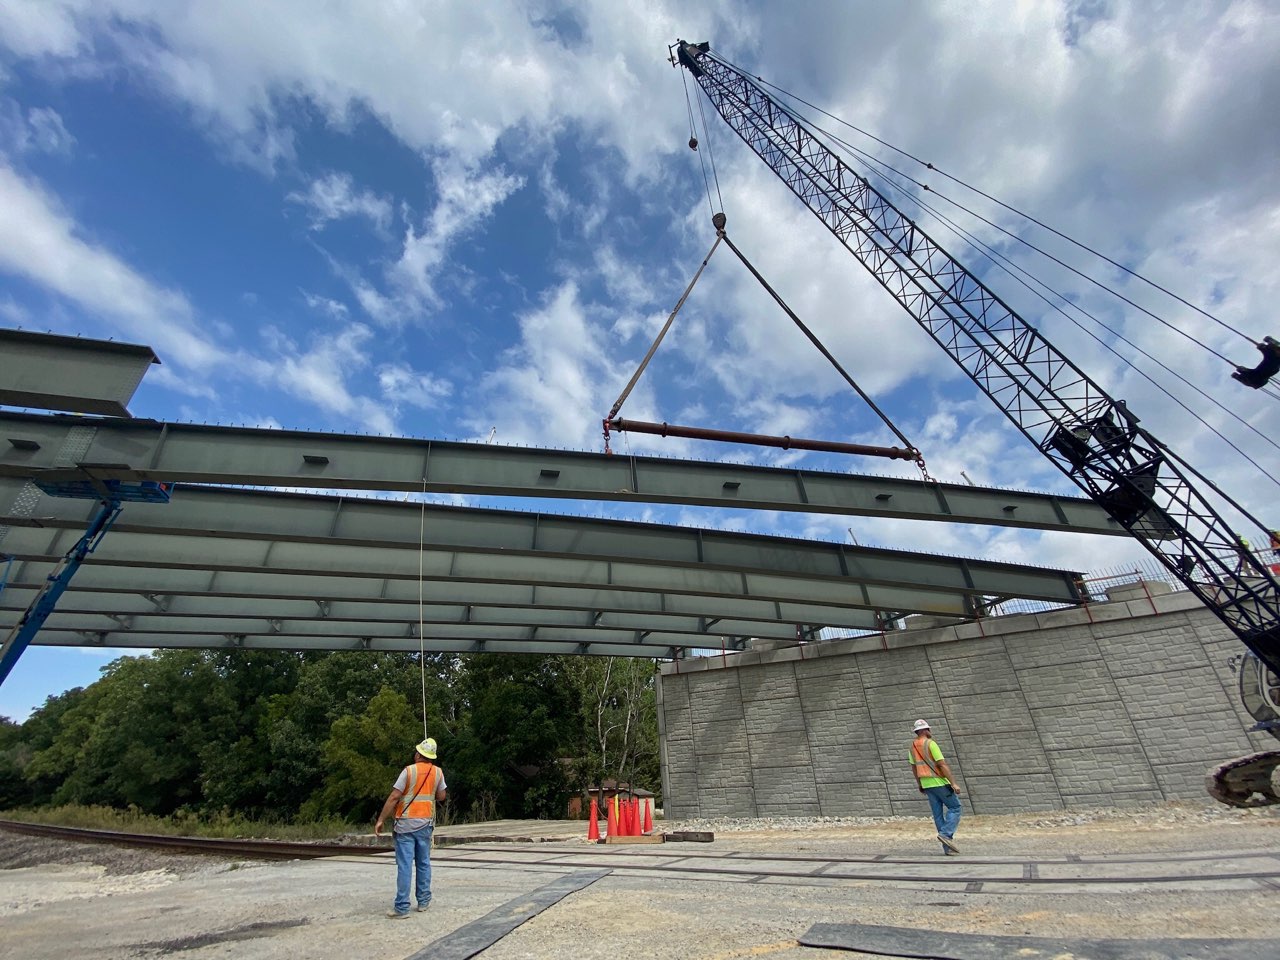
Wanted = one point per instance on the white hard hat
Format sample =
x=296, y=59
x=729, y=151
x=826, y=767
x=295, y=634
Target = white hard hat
x=921, y=725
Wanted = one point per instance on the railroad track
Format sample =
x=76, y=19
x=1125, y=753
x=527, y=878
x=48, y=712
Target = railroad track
x=252, y=849
x=1237, y=869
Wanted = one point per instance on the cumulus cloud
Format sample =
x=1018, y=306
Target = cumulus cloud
x=42, y=243
x=335, y=197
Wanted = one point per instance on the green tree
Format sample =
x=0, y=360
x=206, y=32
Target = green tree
x=15, y=754
x=520, y=721
x=363, y=756
x=619, y=721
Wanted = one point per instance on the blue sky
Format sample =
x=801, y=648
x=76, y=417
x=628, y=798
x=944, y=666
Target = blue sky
x=459, y=221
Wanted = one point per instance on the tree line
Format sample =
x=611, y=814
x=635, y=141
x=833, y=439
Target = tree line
x=296, y=736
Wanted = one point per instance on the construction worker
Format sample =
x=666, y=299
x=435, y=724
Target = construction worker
x=933, y=776
x=422, y=782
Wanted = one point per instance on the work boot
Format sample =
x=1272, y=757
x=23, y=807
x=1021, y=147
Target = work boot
x=949, y=843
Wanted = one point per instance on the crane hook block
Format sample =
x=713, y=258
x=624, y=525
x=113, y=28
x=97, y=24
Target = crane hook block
x=693, y=143
x=719, y=220
x=1261, y=375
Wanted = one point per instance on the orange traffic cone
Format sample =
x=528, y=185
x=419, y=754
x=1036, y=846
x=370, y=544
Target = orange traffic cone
x=611, y=827
x=593, y=824
x=635, y=817
x=648, y=816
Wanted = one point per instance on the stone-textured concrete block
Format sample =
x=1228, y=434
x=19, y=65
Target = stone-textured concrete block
x=1126, y=798
x=997, y=754
x=984, y=673
x=1216, y=734
x=885, y=667
x=970, y=649
x=1030, y=650
x=1000, y=714
x=1010, y=794
x=904, y=701
x=1173, y=647
x=1065, y=726
x=715, y=697
x=829, y=684
x=724, y=770
x=713, y=739
x=771, y=716
x=783, y=788
x=768, y=683
x=1171, y=693
x=1085, y=682
x=1089, y=703
x=863, y=798
x=1090, y=771
x=1183, y=781
x=730, y=802
x=778, y=747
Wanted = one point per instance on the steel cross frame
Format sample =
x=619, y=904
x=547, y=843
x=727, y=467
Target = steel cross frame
x=1092, y=438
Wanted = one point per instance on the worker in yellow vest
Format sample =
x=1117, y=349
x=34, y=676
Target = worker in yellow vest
x=417, y=790
x=934, y=778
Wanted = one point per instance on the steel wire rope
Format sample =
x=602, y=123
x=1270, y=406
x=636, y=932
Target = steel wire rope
x=693, y=142
x=989, y=253
x=813, y=338
x=1001, y=203
x=711, y=153
x=1008, y=266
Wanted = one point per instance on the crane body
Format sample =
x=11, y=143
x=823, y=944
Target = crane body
x=1095, y=440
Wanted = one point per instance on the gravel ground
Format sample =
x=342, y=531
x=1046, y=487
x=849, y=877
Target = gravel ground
x=321, y=903
x=18, y=851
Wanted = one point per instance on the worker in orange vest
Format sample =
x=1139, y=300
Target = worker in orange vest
x=934, y=778
x=422, y=783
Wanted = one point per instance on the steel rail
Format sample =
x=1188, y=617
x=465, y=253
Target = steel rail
x=1022, y=872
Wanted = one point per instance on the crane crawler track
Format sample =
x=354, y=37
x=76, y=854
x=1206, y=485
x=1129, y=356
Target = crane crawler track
x=1248, y=781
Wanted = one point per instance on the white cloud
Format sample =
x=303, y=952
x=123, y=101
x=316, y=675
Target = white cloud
x=465, y=198
x=41, y=243
x=402, y=385
x=548, y=389
x=320, y=373
x=335, y=197
x=48, y=133
x=38, y=130
x=331, y=308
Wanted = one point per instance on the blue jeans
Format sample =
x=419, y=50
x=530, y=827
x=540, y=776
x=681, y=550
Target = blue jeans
x=413, y=849
x=946, y=809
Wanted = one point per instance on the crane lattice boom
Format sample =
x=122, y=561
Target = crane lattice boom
x=1094, y=439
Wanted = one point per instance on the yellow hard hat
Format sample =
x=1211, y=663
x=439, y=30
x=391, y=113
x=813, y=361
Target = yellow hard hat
x=427, y=748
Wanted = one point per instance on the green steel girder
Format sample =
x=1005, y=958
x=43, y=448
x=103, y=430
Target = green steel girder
x=148, y=449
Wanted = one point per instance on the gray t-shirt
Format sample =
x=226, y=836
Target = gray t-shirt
x=410, y=824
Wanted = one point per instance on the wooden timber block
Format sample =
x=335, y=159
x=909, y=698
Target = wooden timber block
x=691, y=836
x=652, y=838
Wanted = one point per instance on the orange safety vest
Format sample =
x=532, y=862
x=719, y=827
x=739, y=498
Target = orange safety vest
x=923, y=764
x=419, y=800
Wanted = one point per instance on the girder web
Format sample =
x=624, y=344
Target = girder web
x=1092, y=438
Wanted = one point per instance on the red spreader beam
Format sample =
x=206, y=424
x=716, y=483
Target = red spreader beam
x=732, y=436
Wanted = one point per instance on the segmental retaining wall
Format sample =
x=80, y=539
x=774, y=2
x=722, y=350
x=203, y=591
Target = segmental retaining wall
x=1124, y=702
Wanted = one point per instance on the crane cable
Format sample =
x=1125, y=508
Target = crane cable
x=719, y=221
x=1006, y=264
x=919, y=457
x=653, y=347
x=1001, y=260
x=1015, y=210
x=693, y=145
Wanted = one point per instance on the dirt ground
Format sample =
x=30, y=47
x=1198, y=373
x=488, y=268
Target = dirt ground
x=50, y=892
